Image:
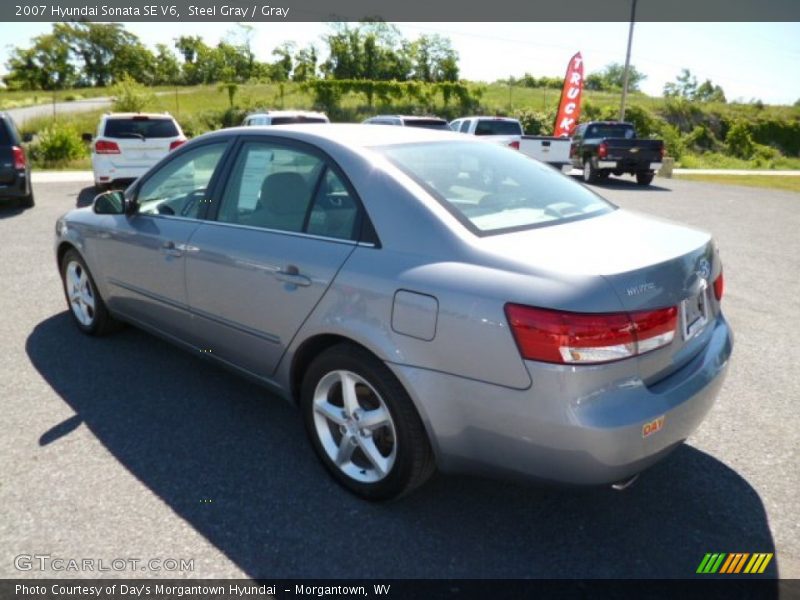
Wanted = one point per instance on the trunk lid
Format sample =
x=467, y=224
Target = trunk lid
x=647, y=263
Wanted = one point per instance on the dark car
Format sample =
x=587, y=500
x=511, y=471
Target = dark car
x=15, y=173
x=602, y=148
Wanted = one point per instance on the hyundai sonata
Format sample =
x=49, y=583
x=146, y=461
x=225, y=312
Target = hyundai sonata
x=426, y=299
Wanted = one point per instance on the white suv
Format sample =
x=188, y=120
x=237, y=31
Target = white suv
x=128, y=144
x=284, y=117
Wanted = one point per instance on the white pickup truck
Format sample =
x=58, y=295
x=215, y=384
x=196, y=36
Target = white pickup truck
x=508, y=132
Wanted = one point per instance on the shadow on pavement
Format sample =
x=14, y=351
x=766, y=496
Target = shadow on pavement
x=86, y=196
x=616, y=183
x=190, y=431
x=10, y=208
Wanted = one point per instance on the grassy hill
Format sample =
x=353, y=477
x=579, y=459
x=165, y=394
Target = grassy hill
x=696, y=134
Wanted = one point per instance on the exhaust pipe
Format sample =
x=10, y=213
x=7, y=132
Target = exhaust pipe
x=625, y=483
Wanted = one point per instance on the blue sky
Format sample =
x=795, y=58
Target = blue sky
x=749, y=60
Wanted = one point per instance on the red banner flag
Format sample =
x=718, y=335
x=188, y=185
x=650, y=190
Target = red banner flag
x=569, y=109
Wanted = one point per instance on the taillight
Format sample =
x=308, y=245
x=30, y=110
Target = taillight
x=106, y=147
x=584, y=338
x=514, y=145
x=176, y=144
x=602, y=150
x=719, y=286
x=18, y=154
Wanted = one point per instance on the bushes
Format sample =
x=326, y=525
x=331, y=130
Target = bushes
x=130, y=96
x=57, y=145
x=739, y=141
x=536, y=122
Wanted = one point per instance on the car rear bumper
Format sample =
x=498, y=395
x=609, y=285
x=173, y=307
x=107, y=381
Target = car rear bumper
x=19, y=187
x=566, y=428
x=106, y=171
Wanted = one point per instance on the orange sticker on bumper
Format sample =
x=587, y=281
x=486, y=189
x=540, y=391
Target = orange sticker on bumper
x=653, y=426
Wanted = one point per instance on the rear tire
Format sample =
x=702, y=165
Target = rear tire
x=589, y=172
x=87, y=308
x=363, y=425
x=644, y=177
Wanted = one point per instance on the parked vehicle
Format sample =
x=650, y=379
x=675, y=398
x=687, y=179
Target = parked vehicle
x=284, y=117
x=509, y=132
x=551, y=150
x=128, y=144
x=409, y=121
x=601, y=148
x=419, y=312
x=502, y=130
x=15, y=172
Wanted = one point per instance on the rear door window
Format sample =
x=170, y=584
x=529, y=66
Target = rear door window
x=6, y=139
x=140, y=127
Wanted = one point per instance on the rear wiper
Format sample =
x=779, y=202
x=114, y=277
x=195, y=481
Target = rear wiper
x=131, y=134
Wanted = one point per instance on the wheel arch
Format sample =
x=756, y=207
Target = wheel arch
x=308, y=351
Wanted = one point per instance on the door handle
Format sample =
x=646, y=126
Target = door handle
x=170, y=249
x=291, y=274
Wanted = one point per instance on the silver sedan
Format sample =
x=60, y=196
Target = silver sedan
x=427, y=300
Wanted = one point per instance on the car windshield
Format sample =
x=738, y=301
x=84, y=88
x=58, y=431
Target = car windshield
x=492, y=189
x=609, y=131
x=498, y=127
x=140, y=127
x=296, y=120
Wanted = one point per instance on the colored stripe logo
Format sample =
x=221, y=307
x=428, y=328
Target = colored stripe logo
x=735, y=562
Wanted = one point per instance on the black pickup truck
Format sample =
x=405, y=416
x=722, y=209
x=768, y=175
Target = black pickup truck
x=15, y=174
x=600, y=148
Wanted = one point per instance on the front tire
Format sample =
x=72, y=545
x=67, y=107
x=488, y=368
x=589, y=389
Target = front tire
x=363, y=425
x=87, y=308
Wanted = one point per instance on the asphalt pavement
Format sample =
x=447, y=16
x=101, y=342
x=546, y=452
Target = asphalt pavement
x=126, y=447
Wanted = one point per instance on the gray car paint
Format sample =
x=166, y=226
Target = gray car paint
x=483, y=405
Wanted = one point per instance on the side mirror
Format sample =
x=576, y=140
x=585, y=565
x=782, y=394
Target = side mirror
x=111, y=203
x=27, y=138
x=87, y=137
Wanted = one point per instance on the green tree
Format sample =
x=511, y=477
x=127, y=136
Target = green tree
x=684, y=86
x=103, y=48
x=612, y=77
x=708, y=92
x=167, y=69
x=305, y=64
x=46, y=65
x=434, y=59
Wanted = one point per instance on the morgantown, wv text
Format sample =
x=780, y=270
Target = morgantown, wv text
x=144, y=590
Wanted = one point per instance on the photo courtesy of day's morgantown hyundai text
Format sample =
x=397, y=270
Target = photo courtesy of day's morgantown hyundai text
x=426, y=298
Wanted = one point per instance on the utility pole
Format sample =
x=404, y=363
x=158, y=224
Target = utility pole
x=627, y=62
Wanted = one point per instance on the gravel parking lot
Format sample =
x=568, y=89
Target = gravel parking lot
x=126, y=447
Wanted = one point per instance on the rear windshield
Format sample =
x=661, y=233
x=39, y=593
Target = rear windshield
x=6, y=138
x=609, y=131
x=140, y=127
x=296, y=120
x=428, y=124
x=498, y=128
x=493, y=189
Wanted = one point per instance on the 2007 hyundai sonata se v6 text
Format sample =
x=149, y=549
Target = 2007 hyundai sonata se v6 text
x=428, y=300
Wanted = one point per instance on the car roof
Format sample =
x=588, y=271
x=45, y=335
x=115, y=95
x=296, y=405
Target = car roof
x=349, y=134
x=131, y=115
x=410, y=117
x=491, y=118
x=286, y=113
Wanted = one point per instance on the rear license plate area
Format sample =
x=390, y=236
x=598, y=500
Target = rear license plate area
x=694, y=313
